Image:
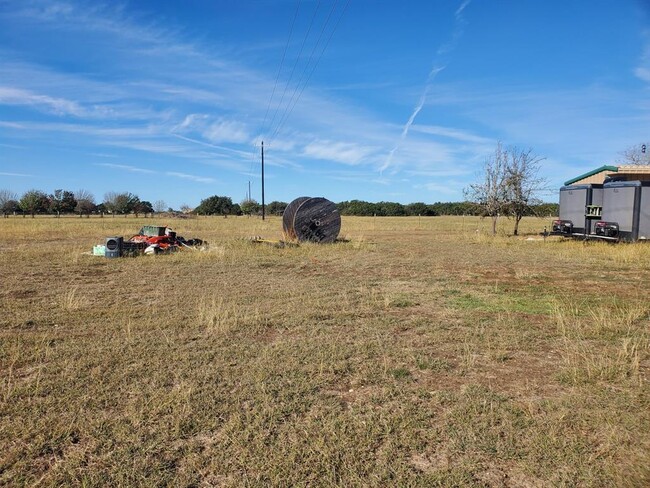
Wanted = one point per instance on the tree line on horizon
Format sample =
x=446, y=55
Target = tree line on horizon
x=82, y=203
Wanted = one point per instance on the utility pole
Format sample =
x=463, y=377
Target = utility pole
x=262, y=180
x=248, y=197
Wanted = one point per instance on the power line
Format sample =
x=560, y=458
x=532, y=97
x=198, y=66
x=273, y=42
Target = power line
x=253, y=153
x=277, y=76
x=311, y=56
x=277, y=130
x=293, y=69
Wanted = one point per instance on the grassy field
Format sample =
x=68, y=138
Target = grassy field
x=419, y=352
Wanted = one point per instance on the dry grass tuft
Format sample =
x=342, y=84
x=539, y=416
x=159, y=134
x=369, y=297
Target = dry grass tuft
x=603, y=342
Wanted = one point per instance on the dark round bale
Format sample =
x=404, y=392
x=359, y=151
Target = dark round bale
x=317, y=220
x=288, y=216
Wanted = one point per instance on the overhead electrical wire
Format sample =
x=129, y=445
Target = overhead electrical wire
x=290, y=108
x=293, y=69
x=277, y=76
x=284, y=111
x=253, y=156
x=304, y=70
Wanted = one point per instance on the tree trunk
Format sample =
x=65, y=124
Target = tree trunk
x=494, y=224
x=517, y=220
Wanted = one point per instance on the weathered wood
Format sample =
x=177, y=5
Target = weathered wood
x=288, y=216
x=317, y=220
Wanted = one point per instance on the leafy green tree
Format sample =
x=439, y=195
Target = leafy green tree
x=216, y=205
x=417, y=208
x=250, y=207
x=356, y=207
x=545, y=210
x=389, y=209
x=276, y=208
x=455, y=208
x=142, y=207
x=33, y=202
x=62, y=202
x=120, y=203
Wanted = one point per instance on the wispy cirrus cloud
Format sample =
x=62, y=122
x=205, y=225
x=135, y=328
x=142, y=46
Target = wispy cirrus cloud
x=185, y=176
x=227, y=131
x=97, y=17
x=126, y=167
x=342, y=152
x=59, y=106
x=174, y=174
x=213, y=131
x=447, y=188
x=12, y=125
x=442, y=173
x=22, y=175
x=225, y=149
x=451, y=133
x=642, y=71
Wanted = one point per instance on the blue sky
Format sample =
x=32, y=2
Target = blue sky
x=354, y=99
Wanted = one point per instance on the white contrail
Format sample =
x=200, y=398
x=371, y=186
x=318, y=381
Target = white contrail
x=446, y=48
x=461, y=8
x=411, y=119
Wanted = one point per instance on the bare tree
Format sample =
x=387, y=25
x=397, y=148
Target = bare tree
x=110, y=199
x=638, y=155
x=8, y=202
x=510, y=185
x=85, y=202
x=159, y=206
x=6, y=195
x=492, y=192
x=523, y=182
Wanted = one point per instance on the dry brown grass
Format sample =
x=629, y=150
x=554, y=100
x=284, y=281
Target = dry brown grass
x=422, y=352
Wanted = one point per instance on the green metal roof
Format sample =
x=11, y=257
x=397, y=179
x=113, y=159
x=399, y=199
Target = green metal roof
x=605, y=167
